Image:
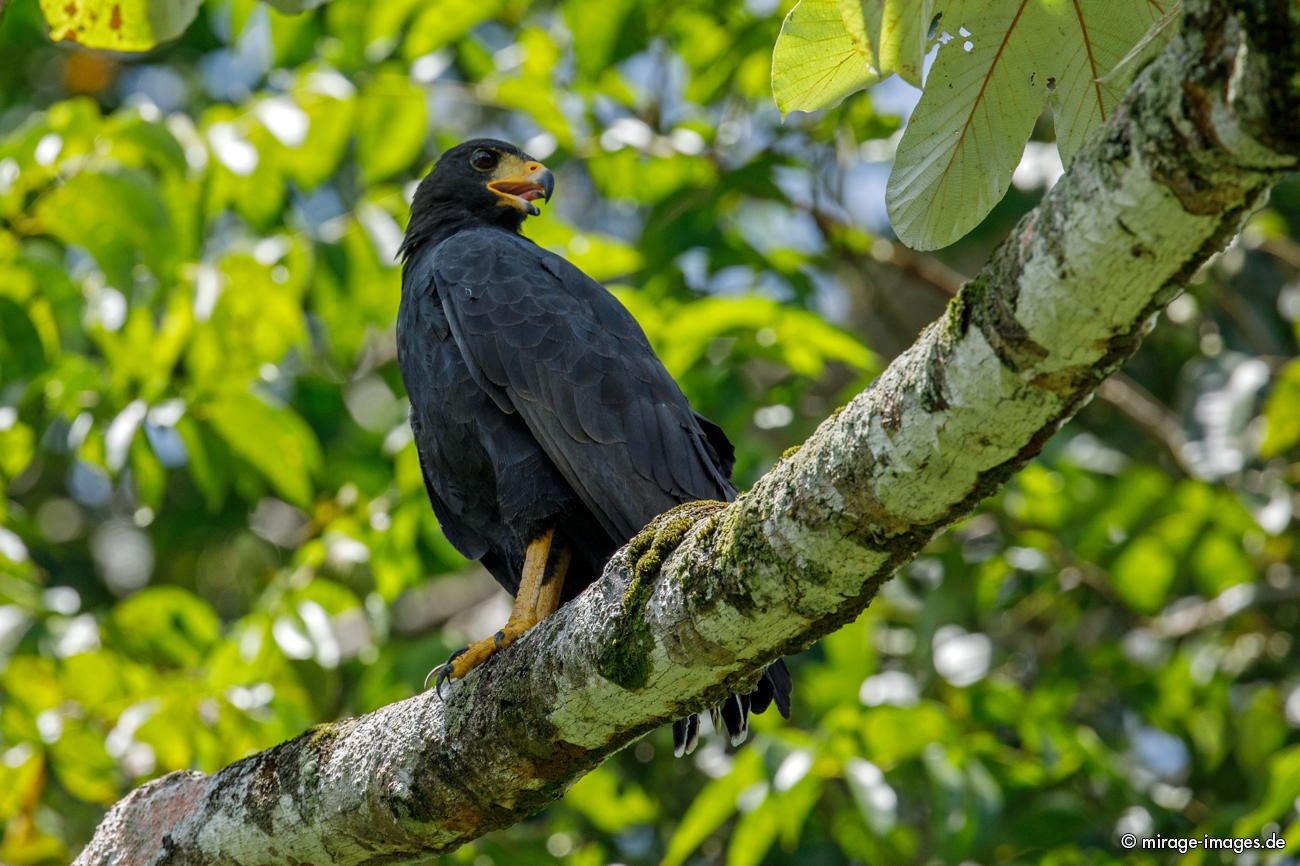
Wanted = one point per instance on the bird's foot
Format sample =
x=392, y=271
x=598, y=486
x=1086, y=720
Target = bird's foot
x=465, y=659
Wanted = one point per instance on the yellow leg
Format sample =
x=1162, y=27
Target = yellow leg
x=537, y=597
x=548, y=598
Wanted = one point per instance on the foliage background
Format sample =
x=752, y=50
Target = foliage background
x=213, y=532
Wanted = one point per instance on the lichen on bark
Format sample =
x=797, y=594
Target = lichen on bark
x=626, y=656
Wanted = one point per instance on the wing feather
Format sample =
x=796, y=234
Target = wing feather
x=555, y=346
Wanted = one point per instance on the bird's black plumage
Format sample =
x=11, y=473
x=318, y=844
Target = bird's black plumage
x=536, y=399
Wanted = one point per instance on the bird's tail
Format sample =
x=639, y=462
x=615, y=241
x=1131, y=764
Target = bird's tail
x=732, y=715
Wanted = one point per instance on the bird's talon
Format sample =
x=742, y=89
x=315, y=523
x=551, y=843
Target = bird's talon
x=443, y=672
x=430, y=675
x=498, y=638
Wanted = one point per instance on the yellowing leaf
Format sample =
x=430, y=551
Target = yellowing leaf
x=119, y=25
x=966, y=135
x=817, y=60
x=1098, y=34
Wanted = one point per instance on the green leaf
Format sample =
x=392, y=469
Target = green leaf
x=754, y=833
x=714, y=804
x=442, y=22
x=392, y=120
x=17, y=444
x=1098, y=35
x=817, y=60
x=1283, y=788
x=965, y=137
x=119, y=216
x=273, y=439
x=119, y=25
x=897, y=734
x=598, y=27
x=1143, y=574
x=329, y=129
x=1262, y=731
x=1219, y=563
x=1282, y=413
x=610, y=805
x=207, y=475
x=83, y=765
x=1156, y=38
x=166, y=625
x=21, y=351
x=148, y=475
x=896, y=30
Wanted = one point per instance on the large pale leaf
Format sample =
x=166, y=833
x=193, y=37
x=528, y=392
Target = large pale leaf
x=120, y=25
x=821, y=56
x=1098, y=34
x=966, y=135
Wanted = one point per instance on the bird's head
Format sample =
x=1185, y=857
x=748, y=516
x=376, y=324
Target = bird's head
x=482, y=182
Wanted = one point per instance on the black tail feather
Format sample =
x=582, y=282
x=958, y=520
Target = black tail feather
x=732, y=715
x=686, y=735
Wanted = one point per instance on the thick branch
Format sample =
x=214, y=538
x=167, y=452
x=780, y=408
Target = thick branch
x=709, y=594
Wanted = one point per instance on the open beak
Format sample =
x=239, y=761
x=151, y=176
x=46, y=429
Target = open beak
x=520, y=191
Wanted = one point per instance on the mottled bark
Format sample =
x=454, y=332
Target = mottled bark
x=708, y=595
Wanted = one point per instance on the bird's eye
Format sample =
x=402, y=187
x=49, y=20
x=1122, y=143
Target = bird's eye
x=483, y=160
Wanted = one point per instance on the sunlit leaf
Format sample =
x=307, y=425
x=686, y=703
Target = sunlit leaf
x=82, y=764
x=1098, y=35
x=897, y=33
x=119, y=216
x=607, y=804
x=441, y=22
x=1143, y=574
x=817, y=61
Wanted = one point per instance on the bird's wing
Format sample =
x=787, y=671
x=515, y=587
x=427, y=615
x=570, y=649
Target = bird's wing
x=548, y=342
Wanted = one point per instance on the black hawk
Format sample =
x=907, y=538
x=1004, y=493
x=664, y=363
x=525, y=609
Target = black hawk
x=549, y=432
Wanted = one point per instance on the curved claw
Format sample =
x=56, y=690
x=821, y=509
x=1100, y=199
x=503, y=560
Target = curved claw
x=442, y=673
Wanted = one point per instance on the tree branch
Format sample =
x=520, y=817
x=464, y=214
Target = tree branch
x=709, y=594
